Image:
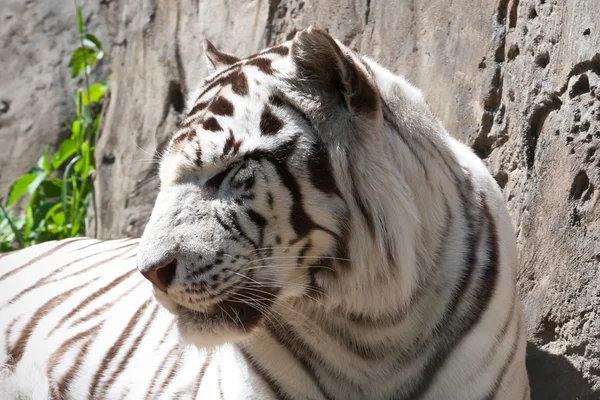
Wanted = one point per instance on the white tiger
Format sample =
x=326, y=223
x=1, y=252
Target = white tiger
x=317, y=235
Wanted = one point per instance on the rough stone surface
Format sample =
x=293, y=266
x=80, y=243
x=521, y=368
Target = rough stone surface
x=36, y=41
x=518, y=80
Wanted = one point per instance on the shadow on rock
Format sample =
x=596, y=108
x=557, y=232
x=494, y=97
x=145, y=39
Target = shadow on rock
x=554, y=377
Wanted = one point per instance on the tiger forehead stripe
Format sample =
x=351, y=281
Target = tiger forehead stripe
x=269, y=123
x=221, y=106
x=211, y=124
x=263, y=64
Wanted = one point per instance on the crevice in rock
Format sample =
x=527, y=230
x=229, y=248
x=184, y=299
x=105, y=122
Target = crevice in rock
x=542, y=59
x=546, y=331
x=483, y=143
x=581, y=86
x=513, y=14
x=175, y=96
x=501, y=178
x=367, y=12
x=513, y=52
x=580, y=184
x=532, y=13
x=592, y=64
x=502, y=12
x=578, y=349
x=273, y=5
x=536, y=123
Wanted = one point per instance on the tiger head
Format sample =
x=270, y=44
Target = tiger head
x=269, y=191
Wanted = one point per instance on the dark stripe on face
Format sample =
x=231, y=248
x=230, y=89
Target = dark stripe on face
x=239, y=84
x=228, y=143
x=112, y=352
x=299, y=219
x=239, y=230
x=277, y=390
x=211, y=124
x=320, y=171
x=236, y=78
x=16, y=352
x=221, y=106
x=91, y=298
x=260, y=222
x=263, y=64
x=269, y=124
x=276, y=101
x=281, y=50
x=197, y=107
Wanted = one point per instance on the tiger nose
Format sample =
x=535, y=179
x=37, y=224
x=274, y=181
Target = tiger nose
x=161, y=275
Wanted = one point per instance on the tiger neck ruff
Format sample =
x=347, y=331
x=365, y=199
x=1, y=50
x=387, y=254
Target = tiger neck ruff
x=317, y=235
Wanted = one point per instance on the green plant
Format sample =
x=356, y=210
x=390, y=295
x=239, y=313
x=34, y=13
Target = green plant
x=60, y=185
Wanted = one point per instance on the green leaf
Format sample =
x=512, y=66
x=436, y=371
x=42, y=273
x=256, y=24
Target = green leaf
x=92, y=41
x=67, y=148
x=51, y=188
x=19, y=188
x=54, y=209
x=59, y=218
x=40, y=214
x=33, y=186
x=28, y=222
x=79, y=103
x=75, y=129
x=81, y=58
x=85, y=150
x=92, y=57
x=77, y=62
x=79, y=21
x=43, y=161
x=95, y=93
x=65, y=183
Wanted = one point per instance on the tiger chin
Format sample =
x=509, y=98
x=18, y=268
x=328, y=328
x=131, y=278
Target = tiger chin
x=212, y=325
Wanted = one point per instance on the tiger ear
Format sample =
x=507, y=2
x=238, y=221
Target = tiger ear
x=215, y=59
x=321, y=62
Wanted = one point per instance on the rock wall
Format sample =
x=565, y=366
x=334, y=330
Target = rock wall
x=518, y=80
x=37, y=39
